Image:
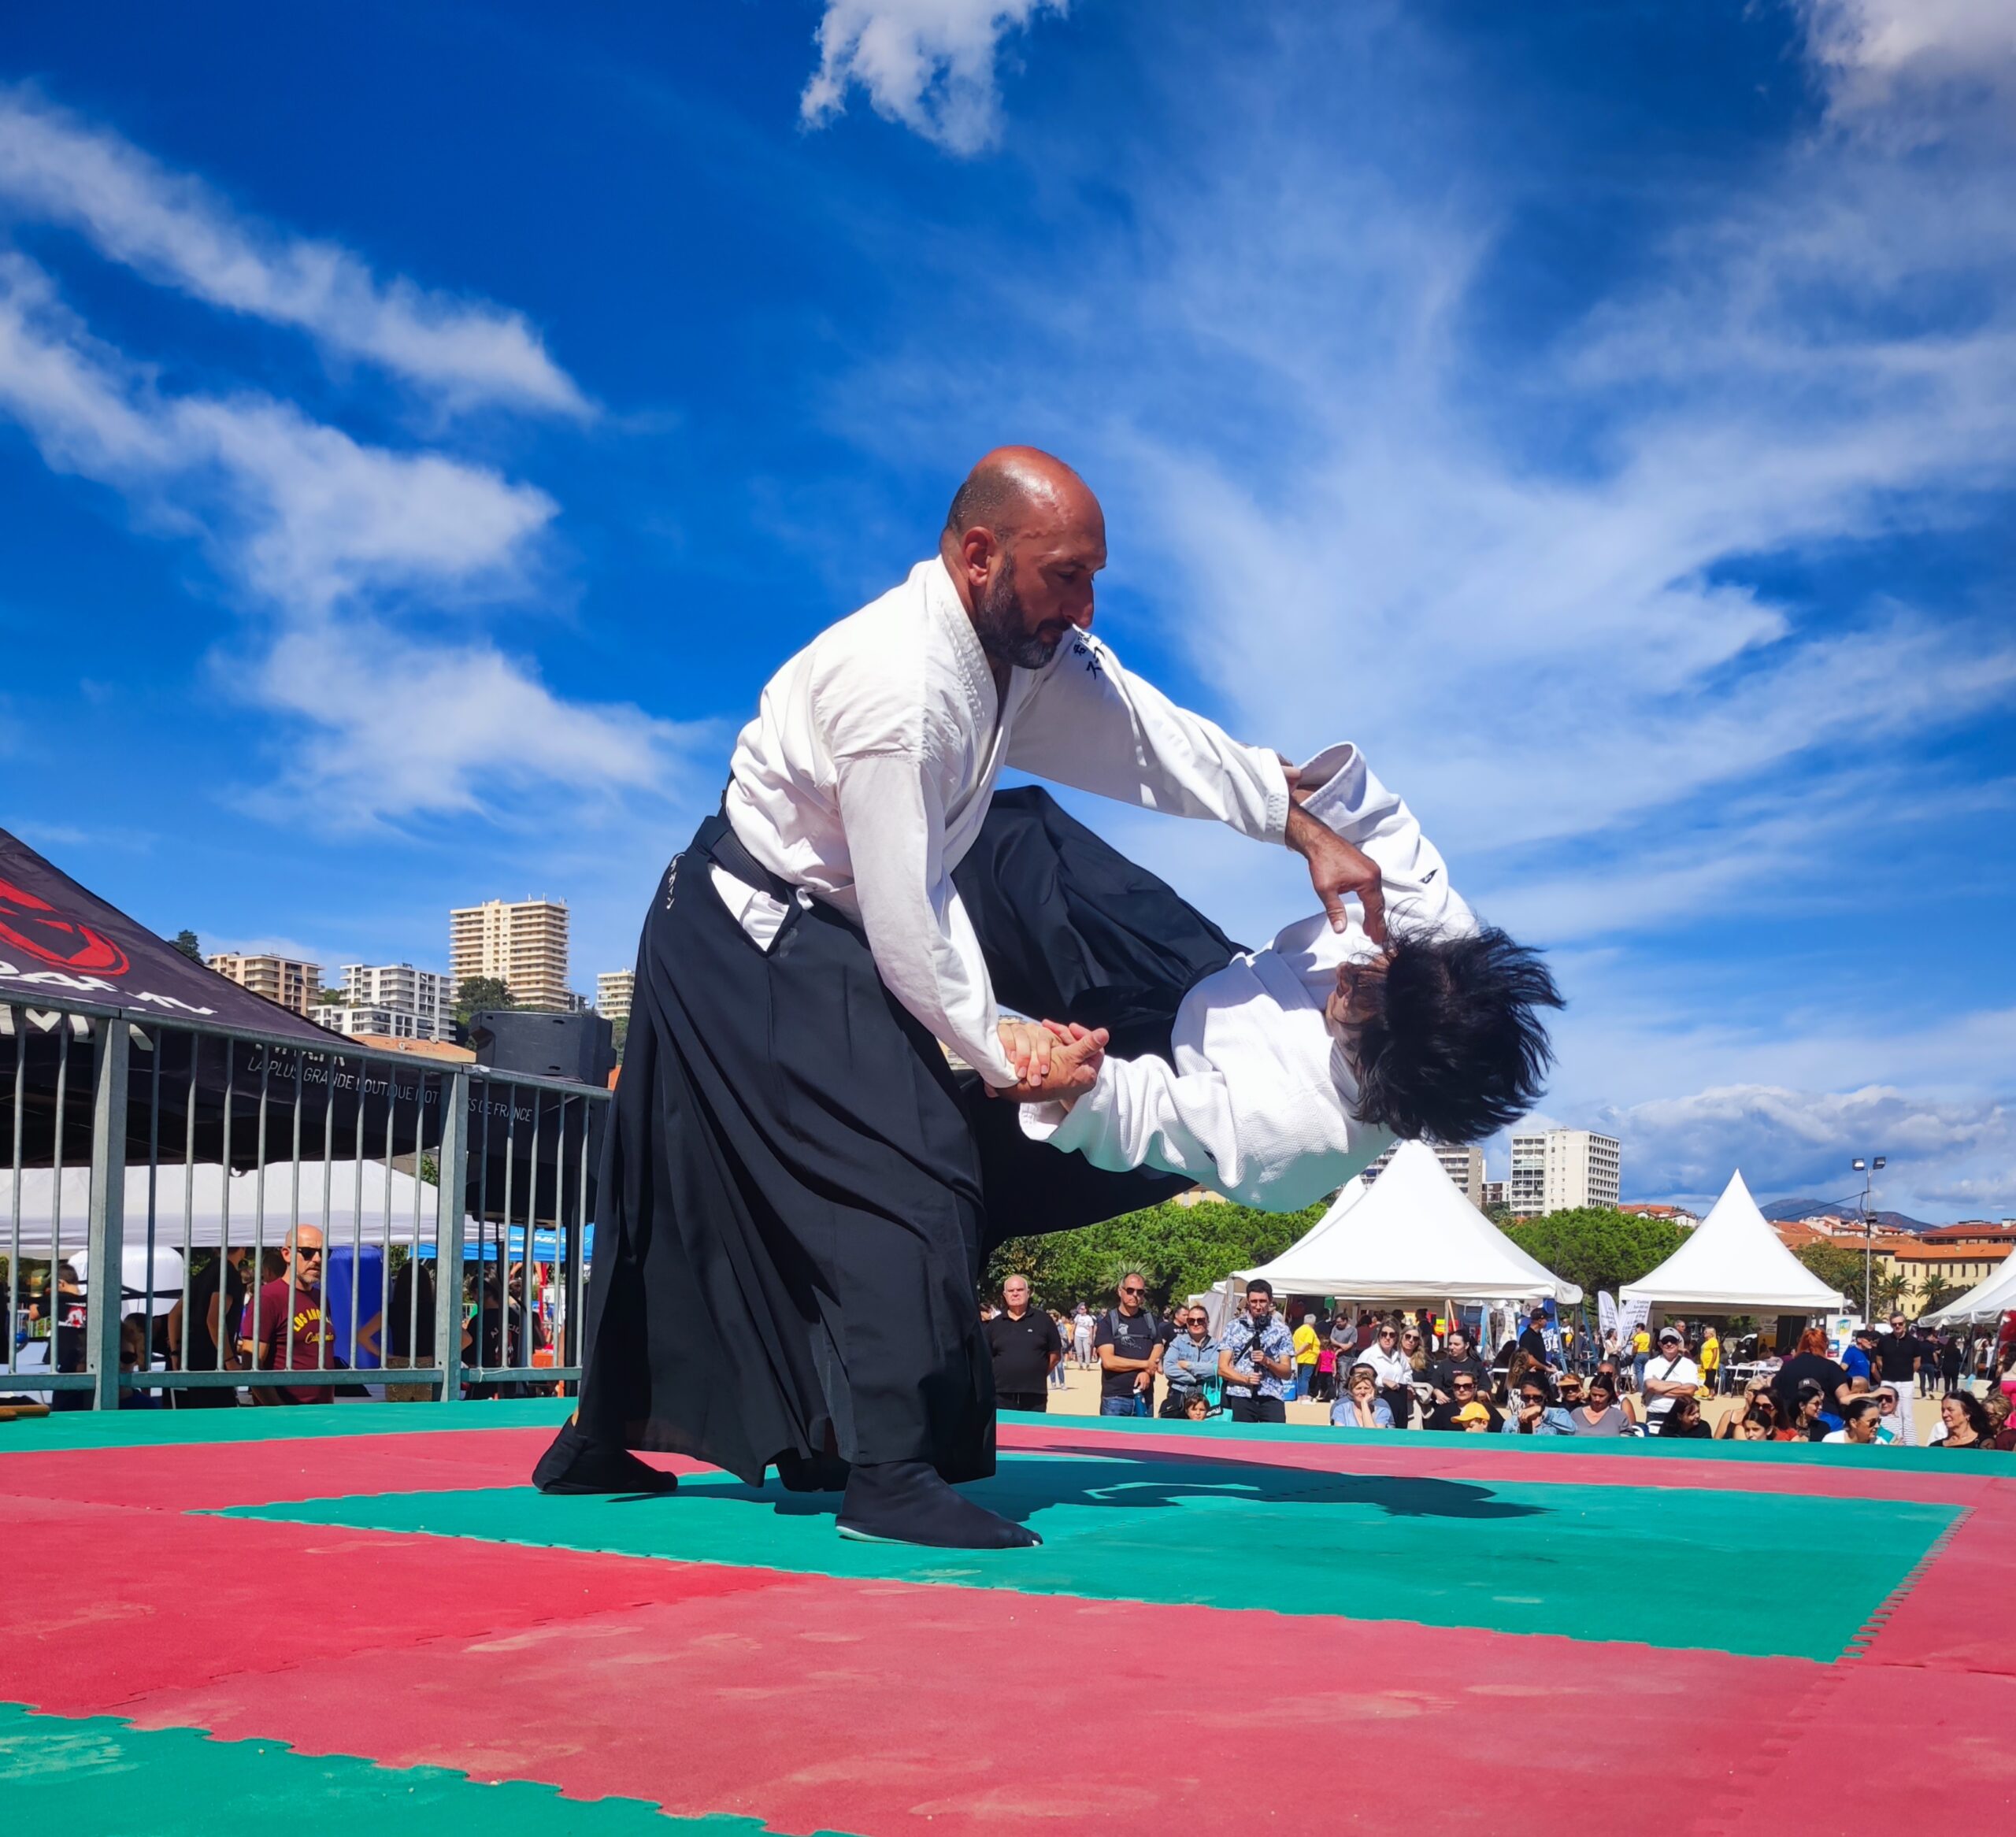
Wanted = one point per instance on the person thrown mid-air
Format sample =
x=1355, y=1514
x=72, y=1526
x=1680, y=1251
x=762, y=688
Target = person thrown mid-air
x=1284, y=1071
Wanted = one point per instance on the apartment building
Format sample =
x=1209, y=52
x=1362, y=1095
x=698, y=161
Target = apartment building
x=523, y=943
x=399, y=988
x=283, y=980
x=614, y=990
x=1464, y=1166
x=1558, y=1170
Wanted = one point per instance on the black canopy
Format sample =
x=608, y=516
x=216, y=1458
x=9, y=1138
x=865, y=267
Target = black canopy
x=58, y=939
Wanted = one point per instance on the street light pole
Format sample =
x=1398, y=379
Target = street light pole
x=1866, y=1169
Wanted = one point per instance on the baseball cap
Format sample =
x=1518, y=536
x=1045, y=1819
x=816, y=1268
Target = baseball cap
x=1666, y=1333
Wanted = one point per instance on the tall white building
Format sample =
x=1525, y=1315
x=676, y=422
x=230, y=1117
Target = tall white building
x=1464, y=1166
x=614, y=990
x=523, y=943
x=391, y=1000
x=1561, y=1170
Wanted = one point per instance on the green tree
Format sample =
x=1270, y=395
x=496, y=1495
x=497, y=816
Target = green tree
x=1840, y=1265
x=1180, y=1251
x=1596, y=1246
x=186, y=943
x=480, y=992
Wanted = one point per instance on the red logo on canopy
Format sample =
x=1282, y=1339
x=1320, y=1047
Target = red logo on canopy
x=34, y=925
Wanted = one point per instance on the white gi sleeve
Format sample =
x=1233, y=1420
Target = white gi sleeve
x=1143, y=1112
x=1088, y=723
x=925, y=948
x=1350, y=799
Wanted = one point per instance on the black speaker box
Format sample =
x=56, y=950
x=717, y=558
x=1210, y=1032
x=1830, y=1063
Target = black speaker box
x=581, y=1047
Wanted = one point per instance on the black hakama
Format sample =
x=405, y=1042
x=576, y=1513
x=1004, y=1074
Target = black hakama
x=797, y=1192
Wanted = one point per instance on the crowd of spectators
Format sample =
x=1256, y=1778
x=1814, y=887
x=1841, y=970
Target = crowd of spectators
x=1410, y=1371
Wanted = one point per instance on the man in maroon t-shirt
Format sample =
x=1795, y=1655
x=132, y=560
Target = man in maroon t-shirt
x=290, y=1332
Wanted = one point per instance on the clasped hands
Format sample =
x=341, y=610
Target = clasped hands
x=1055, y=1061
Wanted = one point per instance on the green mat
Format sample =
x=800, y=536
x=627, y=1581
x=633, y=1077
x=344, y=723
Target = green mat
x=1666, y=1566
x=92, y=1776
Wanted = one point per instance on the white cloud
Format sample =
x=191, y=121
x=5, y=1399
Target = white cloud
x=927, y=64
x=403, y=727
x=1878, y=53
x=303, y=514
x=172, y=228
x=320, y=529
x=1801, y=1141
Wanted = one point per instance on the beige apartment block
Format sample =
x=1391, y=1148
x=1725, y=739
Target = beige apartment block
x=523, y=943
x=279, y=978
x=613, y=991
x=1559, y=1170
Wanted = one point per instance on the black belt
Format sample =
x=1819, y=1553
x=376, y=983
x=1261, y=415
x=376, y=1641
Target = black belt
x=718, y=839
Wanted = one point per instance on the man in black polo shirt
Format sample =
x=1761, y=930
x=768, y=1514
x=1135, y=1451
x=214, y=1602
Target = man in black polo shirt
x=1898, y=1355
x=1026, y=1348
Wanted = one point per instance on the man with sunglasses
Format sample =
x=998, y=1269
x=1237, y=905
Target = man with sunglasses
x=1129, y=1341
x=284, y=1329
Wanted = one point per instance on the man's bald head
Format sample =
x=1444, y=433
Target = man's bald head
x=1014, y=487
x=1022, y=541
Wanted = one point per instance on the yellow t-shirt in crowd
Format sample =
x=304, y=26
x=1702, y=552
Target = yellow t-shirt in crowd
x=1641, y=1341
x=1306, y=1346
x=1711, y=1353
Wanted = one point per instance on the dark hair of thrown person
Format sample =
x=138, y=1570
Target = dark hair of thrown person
x=1456, y=1049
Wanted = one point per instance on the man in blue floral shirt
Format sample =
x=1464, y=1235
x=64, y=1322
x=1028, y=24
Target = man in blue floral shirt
x=1256, y=1359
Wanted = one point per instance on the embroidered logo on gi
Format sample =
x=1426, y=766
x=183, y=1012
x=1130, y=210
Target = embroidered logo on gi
x=1081, y=648
x=671, y=880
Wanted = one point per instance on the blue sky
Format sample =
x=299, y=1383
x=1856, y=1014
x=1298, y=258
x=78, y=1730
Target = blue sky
x=422, y=429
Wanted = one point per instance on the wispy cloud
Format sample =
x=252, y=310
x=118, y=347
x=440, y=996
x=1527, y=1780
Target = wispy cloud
x=304, y=514
x=172, y=228
x=1883, y=58
x=348, y=553
x=927, y=64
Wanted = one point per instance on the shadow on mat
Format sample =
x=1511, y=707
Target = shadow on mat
x=1023, y=1488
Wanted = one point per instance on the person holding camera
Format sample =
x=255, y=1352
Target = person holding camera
x=1256, y=1360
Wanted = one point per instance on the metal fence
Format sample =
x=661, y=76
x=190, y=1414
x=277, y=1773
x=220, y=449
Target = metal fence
x=218, y=1152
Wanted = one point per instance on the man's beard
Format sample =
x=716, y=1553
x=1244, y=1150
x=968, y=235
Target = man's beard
x=999, y=624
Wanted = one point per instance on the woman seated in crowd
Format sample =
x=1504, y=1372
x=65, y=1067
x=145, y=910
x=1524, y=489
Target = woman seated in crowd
x=1532, y=1410
x=1601, y=1414
x=1810, y=1421
x=1963, y=1423
x=1361, y=1407
x=1757, y=1420
x=1683, y=1418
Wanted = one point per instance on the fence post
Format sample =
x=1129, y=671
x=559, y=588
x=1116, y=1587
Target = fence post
x=107, y=1239
x=451, y=1201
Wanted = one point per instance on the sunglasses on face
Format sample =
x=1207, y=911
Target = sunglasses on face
x=1133, y=1291
x=1462, y=1384
x=304, y=1255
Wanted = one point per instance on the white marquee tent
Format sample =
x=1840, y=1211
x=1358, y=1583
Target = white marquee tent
x=1990, y=1298
x=1734, y=1263
x=1409, y=1236
x=216, y=1200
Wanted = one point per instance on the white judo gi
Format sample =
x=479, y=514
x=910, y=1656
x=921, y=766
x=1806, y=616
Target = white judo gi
x=867, y=772
x=1256, y=1100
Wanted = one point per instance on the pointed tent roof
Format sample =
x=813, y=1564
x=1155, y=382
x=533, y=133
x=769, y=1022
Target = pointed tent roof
x=1734, y=1263
x=1410, y=1236
x=1993, y=1294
